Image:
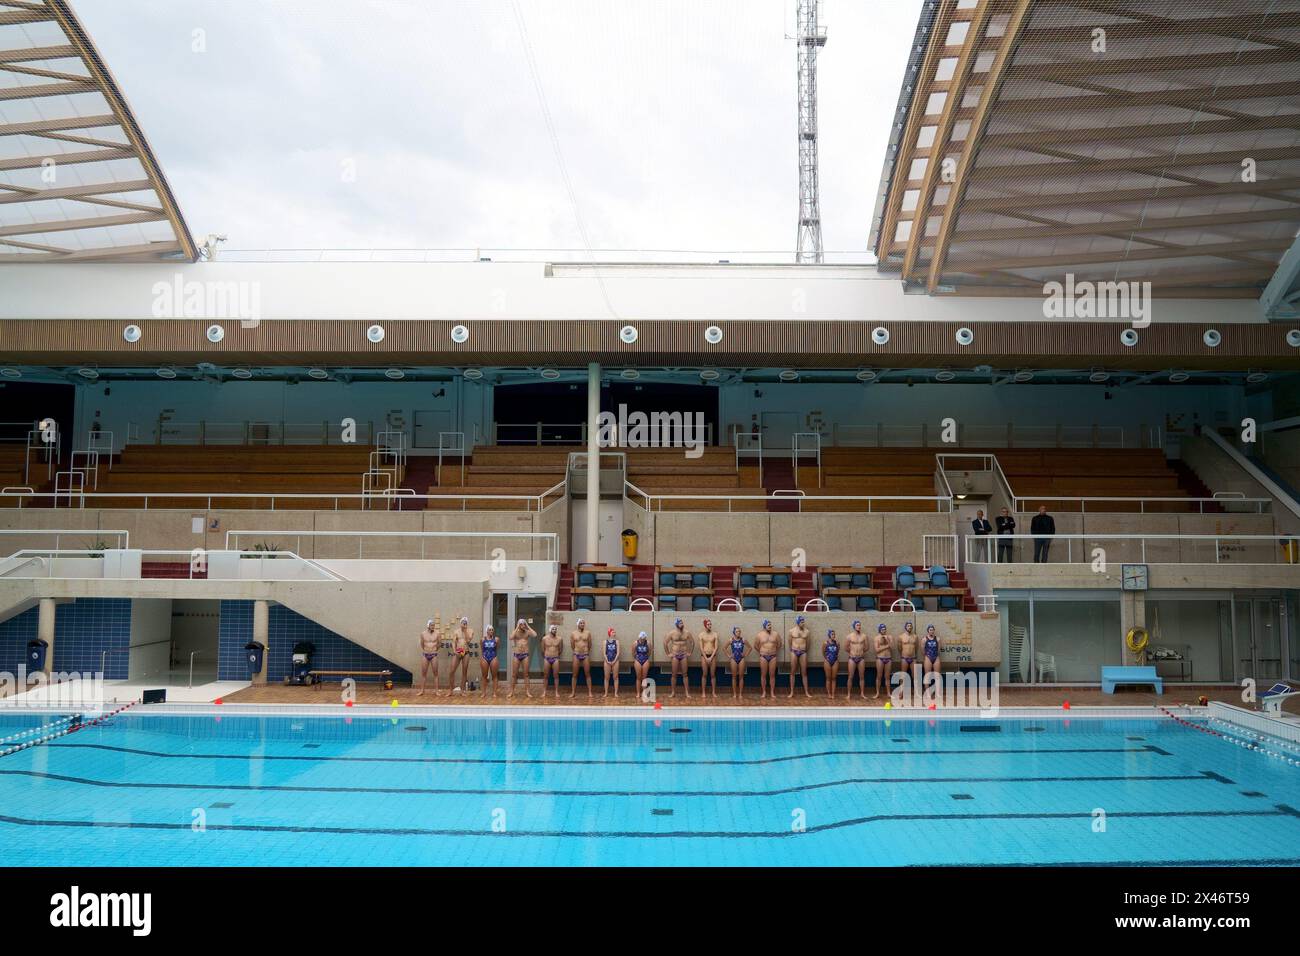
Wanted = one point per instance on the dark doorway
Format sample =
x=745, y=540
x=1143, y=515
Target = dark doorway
x=560, y=407
x=27, y=403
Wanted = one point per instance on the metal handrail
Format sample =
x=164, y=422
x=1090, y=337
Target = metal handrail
x=207, y=497
x=1019, y=502
x=552, y=538
x=816, y=451
x=192, y=653
x=988, y=541
x=938, y=500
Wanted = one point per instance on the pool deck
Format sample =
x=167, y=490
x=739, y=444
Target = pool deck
x=1126, y=698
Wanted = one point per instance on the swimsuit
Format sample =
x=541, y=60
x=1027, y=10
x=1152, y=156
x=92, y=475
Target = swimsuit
x=679, y=656
x=831, y=652
x=856, y=660
x=796, y=653
x=884, y=660
x=551, y=660
x=429, y=657
x=642, y=652
x=908, y=660
x=579, y=657
x=931, y=649
x=489, y=649
x=768, y=657
x=737, y=650
x=611, y=650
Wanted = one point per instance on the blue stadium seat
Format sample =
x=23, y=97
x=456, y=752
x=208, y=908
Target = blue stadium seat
x=618, y=602
x=667, y=602
x=747, y=579
x=585, y=602
x=939, y=577
x=780, y=580
x=949, y=602
x=866, y=603
x=667, y=580
x=833, y=603
x=618, y=579
x=862, y=580
x=827, y=580
x=701, y=579
x=905, y=578
x=586, y=579
x=700, y=602
x=784, y=602
x=749, y=603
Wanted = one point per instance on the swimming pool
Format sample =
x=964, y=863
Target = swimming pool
x=228, y=789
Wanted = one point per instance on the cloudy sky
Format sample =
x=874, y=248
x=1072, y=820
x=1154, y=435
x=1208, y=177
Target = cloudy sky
x=417, y=123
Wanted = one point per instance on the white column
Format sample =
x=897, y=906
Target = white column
x=262, y=634
x=593, y=461
x=45, y=630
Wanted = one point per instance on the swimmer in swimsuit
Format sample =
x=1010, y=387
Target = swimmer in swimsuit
x=857, y=651
x=429, y=640
x=580, y=643
x=739, y=649
x=798, y=636
x=884, y=658
x=552, y=648
x=677, y=645
x=768, y=646
x=907, y=650
x=487, y=663
x=931, y=651
x=641, y=664
x=519, y=639
x=831, y=662
x=461, y=641
x=708, y=659
x=612, y=654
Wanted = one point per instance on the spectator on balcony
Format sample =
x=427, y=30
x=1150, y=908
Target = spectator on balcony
x=1042, y=528
x=982, y=529
x=1006, y=526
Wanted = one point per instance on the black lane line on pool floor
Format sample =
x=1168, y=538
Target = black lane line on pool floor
x=614, y=763
x=473, y=791
x=1281, y=810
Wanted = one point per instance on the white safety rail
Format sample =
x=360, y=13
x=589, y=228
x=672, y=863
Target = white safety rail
x=451, y=444
x=90, y=564
x=101, y=442
x=940, y=549
x=40, y=451
x=749, y=445
x=1151, y=505
x=167, y=432
x=465, y=545
x=881, y=435
x=553, y=433
x=805, y=445
x=1240, y=549
x=869, y=504
x=105, y=539
x=218, y=500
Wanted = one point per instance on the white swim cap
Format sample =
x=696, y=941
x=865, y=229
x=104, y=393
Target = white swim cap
x=429, y=623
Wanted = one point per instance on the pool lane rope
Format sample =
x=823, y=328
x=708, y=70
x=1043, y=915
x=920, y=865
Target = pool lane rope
x=51, y=731
x=1253, y=741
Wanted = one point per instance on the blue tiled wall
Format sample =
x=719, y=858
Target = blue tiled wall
x=83, y=630
x=14, y=635
x=286, y=628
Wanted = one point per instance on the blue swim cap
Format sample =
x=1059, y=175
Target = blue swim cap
x=766, y=624
x=857, y=623
x=678, y=622
x=736, y=629
x=799, y=619
x=881, y=627
x=830, y=632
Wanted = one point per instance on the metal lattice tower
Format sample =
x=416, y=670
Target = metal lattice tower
x=810, y=38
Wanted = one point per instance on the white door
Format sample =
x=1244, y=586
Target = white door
x=778, y=429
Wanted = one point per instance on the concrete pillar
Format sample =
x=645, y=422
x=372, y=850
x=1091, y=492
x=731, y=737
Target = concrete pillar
x=593, y=461
x=261, y=634
x=45, y=630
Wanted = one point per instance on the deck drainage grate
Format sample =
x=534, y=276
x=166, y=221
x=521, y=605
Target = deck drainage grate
x=660, y=812
x=962, y=796
x=220, y=806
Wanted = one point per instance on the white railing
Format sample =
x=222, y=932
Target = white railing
x=101, y=441
x=882, y=435
x=213, y=500
x=865, y=503
x=119, y=541
x=451, y=443
x=811, y=445
x=1113, y=549
x=749, y=445
x=76, y=564
x=481, y=544
x=940, y=549
x=1026, y=503
x=1246, y=465
x=167, y=432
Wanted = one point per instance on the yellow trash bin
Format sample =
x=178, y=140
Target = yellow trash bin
x=1291, y=550
x=629, y=544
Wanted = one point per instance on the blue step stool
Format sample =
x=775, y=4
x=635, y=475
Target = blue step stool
x=1112, y=676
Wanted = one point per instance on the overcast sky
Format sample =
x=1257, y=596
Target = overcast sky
x=416, y=123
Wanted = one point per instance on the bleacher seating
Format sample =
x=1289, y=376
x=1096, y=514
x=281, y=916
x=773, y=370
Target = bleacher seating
x=317, y=470
x=667, y=471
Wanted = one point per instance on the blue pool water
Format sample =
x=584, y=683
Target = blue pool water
x=235, y=790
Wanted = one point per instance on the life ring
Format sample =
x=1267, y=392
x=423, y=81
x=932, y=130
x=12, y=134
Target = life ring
x=1136, y=639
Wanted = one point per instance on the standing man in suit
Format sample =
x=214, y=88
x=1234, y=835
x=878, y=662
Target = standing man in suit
x=1042, y=527
x=982, y=529
x=1006, y=525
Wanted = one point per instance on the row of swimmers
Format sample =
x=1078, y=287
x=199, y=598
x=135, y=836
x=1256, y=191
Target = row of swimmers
x=857, y=652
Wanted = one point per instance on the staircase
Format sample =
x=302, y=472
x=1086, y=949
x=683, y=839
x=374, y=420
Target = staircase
x=172, y=570
x=778, y=475
x=420, y=473
x=1190, y=482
